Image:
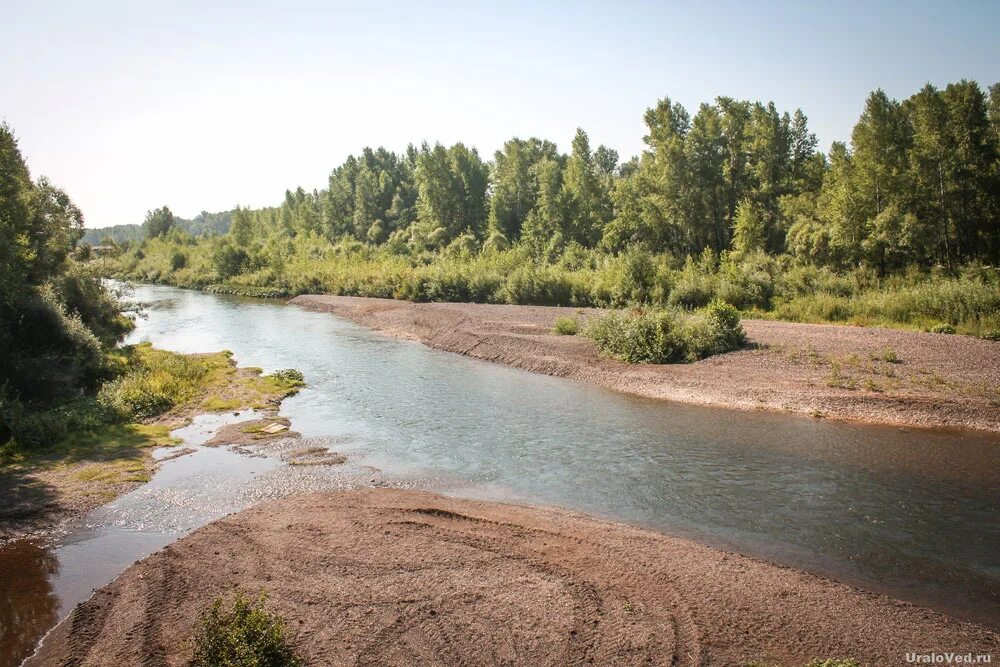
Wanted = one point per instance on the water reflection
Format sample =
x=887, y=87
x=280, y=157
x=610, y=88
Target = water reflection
x=28, y=604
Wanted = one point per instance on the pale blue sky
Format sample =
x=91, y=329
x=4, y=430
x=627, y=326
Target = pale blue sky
x=203, y=105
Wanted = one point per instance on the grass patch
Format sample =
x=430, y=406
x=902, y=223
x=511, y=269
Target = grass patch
x=91, y=446
x=114, y=472
x=216, y=404
x=286, y=382
x=112, y=443
x=154, y=381
x=244, y=634
x=668, y=335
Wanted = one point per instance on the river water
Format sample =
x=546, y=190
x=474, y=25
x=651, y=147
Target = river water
x=913, y=513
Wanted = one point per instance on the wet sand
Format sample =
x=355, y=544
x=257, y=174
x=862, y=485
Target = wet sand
x=389, y=577
x=842, y=372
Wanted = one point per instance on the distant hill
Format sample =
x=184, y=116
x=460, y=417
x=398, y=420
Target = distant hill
x=204, y=224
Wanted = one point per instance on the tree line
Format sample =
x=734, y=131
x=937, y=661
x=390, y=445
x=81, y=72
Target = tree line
x=919, y=183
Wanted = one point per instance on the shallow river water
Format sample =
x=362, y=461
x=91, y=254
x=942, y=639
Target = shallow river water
x=913, y=513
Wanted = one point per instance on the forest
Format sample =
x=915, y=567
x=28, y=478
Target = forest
x=900, y=226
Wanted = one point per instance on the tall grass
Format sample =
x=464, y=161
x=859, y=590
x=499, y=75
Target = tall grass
x=966, y=305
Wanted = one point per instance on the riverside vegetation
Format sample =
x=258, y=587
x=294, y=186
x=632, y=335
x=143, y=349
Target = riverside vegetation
x=735, y=203
x=78, y=411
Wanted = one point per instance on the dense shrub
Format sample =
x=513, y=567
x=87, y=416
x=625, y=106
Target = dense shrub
x=566, y=326
x=695, y=287
x=668, y=335
x=244, y=635
x=248, y=290
x=645, y=336
x=178, y=260
x=46, y=354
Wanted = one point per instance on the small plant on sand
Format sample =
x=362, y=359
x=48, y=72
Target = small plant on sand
x=247, y=635
x=566, y=326
x=834, y=662
x=837, y=378
x=887, y=355
x=873, y=386
x=943, y=329
x=992, y=334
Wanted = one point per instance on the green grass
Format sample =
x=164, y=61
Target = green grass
x=154, y=381
x=887, y=355
x=286, y=382
x=216, y=404
x=111, y=443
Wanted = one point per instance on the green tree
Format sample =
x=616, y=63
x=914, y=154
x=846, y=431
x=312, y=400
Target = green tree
x=242, y=227
x=543, y=227
x=452, y=184
x=749, y=228
x=880, y=141
x=54, y=316
x=515, y=184
x=158, y=222
x=588, y=207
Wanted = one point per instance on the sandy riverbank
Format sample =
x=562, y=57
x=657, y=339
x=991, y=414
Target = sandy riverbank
x=862, y=374
x=387, y=577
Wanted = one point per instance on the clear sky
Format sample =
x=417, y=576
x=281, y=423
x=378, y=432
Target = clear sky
x=205, y=105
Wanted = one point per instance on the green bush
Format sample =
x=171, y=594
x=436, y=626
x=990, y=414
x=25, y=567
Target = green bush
x=714, y=329
x=639, y=337
x=46, y=353
x=668, y=335
x=991, y=334
x=566, y=326
x=33, y=430
x=248, y=290
x=694, y=287
x=178, y=261
x=246, y=635
x=289, y=375
x=943, y=329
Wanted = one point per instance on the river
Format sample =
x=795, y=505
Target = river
x=912, y=513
